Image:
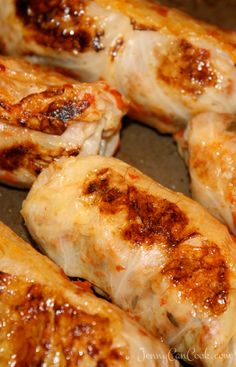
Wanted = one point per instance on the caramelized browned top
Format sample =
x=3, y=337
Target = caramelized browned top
x=60, y=24
x=49, y=111
x=31, y=156
x=187, y=68
x=149, y=219
x=200, y=273
x=38, y=326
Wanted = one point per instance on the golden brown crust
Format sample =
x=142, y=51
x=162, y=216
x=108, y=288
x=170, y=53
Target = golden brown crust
x=48, y=111
x=200, y=273
x=60, y=24
x=31, y=157
x=149, y=219
x=187, y=68
x=42, y=325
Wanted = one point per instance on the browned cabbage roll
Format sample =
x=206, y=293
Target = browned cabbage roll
x=169, y=66
x=45, y=115
x=155, y=252
x=47, y=321
x=209, y=148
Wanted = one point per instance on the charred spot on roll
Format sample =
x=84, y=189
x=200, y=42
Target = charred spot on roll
x=31, y=157
x=199, y=271
x=62, y=25
x=49, y=111
x=201, y=274
x=187, y=68
x=47, y=322
x=149, y=219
